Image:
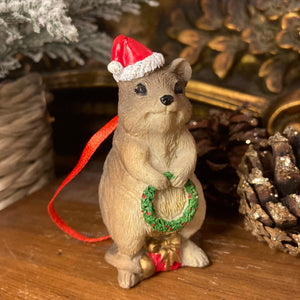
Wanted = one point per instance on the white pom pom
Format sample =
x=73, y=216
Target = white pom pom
x=115, y=67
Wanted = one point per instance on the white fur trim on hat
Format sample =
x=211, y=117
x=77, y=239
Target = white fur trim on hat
x=139, y=69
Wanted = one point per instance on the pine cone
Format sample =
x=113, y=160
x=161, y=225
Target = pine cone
x=222, y=140
x=269, y=188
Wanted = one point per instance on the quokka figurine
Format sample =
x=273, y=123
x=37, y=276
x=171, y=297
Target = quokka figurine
x=150, y=198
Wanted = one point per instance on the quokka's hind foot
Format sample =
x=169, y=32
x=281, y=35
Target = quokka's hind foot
x=122, y=261
x=129, y=269
x=127, y=279
x=192, y=255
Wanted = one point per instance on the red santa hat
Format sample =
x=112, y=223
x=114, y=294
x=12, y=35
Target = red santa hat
x=131, y=59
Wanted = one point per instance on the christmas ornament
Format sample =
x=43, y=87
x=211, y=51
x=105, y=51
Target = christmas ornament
x=270, y=191
x=148, y=179
x=222, y=139
x=149, y=173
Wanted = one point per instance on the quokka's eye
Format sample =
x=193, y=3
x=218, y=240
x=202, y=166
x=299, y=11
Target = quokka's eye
x=141, y=90
x=178, y=89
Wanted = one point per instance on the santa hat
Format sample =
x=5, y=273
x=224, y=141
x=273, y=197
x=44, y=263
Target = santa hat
x=131, y=59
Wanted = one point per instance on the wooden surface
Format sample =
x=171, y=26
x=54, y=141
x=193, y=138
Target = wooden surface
x=38, y=261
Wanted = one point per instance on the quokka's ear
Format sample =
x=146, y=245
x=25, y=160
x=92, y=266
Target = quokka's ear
x=181, y=68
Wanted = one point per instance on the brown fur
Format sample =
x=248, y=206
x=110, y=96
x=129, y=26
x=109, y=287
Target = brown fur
x=151, y=139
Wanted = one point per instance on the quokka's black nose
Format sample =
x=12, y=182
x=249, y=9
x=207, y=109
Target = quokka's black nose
x=167, y=99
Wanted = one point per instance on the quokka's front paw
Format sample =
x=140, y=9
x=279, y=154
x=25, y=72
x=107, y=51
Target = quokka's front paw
x=178, y=182
x=192, y=255
x=160, y=182
x=180, y=178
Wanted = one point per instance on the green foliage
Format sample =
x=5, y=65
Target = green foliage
x=160, y=224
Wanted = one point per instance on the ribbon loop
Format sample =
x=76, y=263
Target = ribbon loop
x=90, y=148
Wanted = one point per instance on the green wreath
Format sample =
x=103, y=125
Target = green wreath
x=160, y=224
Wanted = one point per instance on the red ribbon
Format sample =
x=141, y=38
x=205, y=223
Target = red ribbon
x=90, y=148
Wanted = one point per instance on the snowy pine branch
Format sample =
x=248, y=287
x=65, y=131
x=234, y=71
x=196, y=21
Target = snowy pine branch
x=58, y=28
x=49, y=14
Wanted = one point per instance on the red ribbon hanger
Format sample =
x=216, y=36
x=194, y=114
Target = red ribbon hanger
x=90, y=148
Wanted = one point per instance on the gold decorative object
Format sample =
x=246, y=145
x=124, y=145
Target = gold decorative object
x=242, y=35
x=79, y=78
x=226, y=98
x=283, y=112
x=167, y=246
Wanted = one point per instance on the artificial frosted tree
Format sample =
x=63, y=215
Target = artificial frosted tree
x=65, y=29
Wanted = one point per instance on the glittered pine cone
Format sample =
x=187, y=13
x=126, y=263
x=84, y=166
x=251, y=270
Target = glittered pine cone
x=269, y=188
x=222, y=139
